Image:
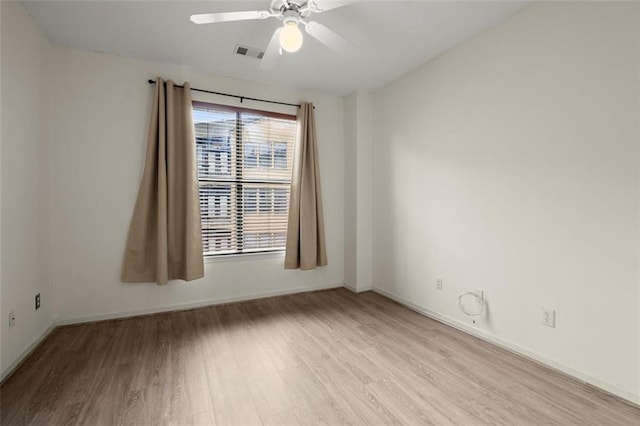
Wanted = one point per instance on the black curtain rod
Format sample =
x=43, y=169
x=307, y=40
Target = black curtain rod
x=242, y=98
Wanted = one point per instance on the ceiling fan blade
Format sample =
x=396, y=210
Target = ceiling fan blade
x=319, y=6
x=211, y=18
x=330, y=39
x=272, y=52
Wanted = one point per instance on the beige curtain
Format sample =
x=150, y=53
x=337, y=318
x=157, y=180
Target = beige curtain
x=305, y=231
x=165, y=236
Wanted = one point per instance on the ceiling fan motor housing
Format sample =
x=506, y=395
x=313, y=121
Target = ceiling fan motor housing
x=291, y=16
x=284, y=8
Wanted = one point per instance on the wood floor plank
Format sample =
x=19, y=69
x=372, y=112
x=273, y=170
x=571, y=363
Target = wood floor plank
x=330, y=357
x=229, y=392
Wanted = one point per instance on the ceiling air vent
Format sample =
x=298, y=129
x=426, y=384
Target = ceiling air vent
x=252, y=52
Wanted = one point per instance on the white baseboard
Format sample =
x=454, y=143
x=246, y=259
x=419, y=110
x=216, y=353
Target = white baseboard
x=190, y=305
x=512, y=347
x=350, y=287
x=356, y=290
x=6, y=370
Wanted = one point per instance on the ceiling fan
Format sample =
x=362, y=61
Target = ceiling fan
x=288, y=37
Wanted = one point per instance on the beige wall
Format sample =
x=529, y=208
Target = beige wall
x=350, y=191
x=99, y=108
x=25, y=200
x=358, y=161
x=511, y=164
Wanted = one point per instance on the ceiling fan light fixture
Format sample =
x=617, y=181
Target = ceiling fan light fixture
x=290, y=37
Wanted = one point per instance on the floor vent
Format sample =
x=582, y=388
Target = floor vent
x=248, y=51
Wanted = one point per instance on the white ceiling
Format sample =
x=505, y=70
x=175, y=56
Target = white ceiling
x=393, y=37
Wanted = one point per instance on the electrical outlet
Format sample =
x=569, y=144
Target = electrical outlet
x=12, y=319
x=37, y=301
x=549, y=318
x=439, y=284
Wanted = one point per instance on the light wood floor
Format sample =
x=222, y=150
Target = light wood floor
x=328, y=357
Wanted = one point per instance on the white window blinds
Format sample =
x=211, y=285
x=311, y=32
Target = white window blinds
x=245, y=159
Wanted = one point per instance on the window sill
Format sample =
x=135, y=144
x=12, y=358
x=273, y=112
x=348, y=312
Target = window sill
x=241, y=257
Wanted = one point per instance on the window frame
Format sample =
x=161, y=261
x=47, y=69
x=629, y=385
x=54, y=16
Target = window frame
x=239, y=182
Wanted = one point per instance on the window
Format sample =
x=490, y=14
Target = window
x=280, y=155
x=250, y=200
x=265, y=157
x=280, y=201
x=244, y=160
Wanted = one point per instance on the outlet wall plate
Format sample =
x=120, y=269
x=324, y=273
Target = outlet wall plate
x=549, y=317
x=439, y=284
x=12, y=318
